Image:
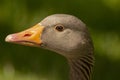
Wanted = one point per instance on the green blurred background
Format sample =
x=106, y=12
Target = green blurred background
x=28, y=63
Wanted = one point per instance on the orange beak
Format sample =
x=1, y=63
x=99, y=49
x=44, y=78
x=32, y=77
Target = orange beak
x=29, y=37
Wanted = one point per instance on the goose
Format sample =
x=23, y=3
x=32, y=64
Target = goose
x=66, y=35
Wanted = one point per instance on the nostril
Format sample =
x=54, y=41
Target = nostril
x=27, y=35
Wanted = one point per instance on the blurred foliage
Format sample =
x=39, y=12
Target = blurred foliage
x=27, y=63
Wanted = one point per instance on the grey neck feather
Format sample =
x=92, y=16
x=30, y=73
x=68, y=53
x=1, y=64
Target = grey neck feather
x=81, y=67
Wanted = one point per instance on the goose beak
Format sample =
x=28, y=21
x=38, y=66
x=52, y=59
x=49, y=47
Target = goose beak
x=29, y=37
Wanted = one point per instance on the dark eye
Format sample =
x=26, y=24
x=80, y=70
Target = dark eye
x=59, y=27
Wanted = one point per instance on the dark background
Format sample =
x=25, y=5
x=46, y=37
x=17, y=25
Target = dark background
x=28, y=63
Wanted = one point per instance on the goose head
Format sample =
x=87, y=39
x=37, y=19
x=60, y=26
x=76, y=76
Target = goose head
x=64, y=34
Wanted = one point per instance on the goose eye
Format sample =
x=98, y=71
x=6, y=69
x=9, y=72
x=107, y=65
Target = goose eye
x=59, y=27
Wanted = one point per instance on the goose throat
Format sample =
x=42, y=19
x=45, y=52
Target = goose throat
x=81, y=68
